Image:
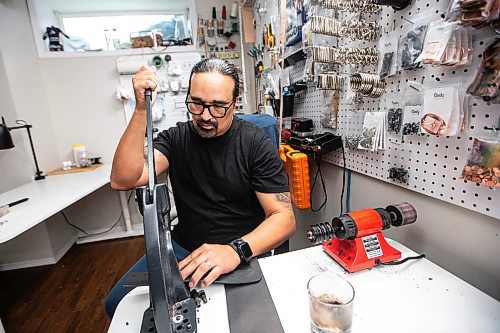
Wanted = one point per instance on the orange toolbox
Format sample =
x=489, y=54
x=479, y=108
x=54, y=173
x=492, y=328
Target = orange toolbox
x=297, y=168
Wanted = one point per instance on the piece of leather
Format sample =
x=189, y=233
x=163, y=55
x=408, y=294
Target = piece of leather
x=244, y=274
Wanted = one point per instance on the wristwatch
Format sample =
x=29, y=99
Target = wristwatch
x=243, y=249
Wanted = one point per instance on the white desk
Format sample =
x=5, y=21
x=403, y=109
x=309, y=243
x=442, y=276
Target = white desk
x=47, y=197
x=417, y=296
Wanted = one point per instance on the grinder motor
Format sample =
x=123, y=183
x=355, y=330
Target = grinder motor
x=355, y=239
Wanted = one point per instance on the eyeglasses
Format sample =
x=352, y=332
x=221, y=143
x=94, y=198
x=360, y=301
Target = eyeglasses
x=215, y=111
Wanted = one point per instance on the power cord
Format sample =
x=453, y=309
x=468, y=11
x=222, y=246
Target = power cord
x=343, y=183
x=317, y=159
x=393, y=263
x=71, y=224
x=101, y=232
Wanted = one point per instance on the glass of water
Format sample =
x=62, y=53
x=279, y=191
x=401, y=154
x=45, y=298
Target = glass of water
x=331, y=302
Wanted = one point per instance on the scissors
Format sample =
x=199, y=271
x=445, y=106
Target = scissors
x=270, y=37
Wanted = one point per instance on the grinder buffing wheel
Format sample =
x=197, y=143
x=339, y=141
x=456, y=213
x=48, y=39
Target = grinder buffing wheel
x=402, y=214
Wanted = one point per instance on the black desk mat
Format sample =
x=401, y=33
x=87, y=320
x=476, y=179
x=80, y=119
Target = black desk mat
x=250, y=307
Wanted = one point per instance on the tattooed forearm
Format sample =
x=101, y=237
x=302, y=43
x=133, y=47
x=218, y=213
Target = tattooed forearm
x=284, y=199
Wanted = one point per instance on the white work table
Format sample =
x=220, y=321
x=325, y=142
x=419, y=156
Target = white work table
x=416, y=296
x=47, y=197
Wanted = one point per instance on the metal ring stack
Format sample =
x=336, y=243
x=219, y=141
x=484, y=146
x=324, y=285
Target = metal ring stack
x=342, y=55
x=330, y=82
x=370, y=85
x=365, y=6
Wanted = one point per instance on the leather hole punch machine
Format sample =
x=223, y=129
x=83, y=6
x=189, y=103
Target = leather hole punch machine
x=172, y=305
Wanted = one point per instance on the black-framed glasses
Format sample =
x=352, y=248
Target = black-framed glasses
x=216, y=111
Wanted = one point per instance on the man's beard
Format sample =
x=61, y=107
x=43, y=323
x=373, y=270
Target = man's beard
x=206, y=133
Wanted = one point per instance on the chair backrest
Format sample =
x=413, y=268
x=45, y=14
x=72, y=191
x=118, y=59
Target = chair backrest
x=268, y=123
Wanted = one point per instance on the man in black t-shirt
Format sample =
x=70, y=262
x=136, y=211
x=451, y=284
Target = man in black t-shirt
x=229, y=185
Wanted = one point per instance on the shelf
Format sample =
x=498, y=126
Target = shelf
x=116, y=53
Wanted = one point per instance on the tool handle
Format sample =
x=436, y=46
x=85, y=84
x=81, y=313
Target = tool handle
x=149, y=94
x=17, y=202
x=149, y=142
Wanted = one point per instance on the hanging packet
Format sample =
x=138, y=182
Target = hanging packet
x=412, y=42
x=393, y=105
x=373, y=136
x=483, y=163
x=388, y=48
x=440, y=104
x=437, y=38
x=412, y=113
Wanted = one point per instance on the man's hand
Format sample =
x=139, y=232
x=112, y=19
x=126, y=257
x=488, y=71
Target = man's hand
x=144, y=79
x=213, y=259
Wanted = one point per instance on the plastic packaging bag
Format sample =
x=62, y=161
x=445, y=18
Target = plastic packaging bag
x=330, y=109
x=388, y=47
x=373, y=137
x=483, y=163
x=393, y=105
x=412, y=42
x=412, y=113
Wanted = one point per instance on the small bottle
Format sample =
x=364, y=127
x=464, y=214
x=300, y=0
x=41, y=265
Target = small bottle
x=107, y=37
x=79, y=155
x=116, y=40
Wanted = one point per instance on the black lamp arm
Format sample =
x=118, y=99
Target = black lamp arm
x=39, y=173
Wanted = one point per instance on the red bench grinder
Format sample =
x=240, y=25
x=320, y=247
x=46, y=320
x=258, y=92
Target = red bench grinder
x=355, y=239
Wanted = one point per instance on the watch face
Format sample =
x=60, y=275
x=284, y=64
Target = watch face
x=246, y=250
x=243, y=249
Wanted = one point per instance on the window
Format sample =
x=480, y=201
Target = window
x=112, y=32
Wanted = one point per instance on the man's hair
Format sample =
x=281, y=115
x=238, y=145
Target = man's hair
x=216, y=65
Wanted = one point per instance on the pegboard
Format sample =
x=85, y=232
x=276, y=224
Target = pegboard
x=434, y=163
x=169, y=107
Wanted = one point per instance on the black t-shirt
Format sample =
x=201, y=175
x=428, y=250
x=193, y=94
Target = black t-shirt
x=214, y=180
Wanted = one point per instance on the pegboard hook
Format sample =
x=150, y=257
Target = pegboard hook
x=404, y=18
x=494, y=129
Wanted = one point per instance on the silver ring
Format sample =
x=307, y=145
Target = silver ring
x=208, y=264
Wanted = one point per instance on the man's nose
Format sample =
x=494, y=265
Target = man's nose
x=205, y=115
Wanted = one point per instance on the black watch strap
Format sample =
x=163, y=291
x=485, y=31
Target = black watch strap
x=243, y=250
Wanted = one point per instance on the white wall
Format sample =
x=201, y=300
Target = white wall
x=461, y=241
x=14, y=163
x=23, y=97
x=67, y=102
x=81, y=97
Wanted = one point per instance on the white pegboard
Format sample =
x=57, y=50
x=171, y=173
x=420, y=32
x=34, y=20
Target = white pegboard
x=169, y=104
x=434, y=163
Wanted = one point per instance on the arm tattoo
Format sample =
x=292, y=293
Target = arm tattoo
x=146, y=155
x=284, y=199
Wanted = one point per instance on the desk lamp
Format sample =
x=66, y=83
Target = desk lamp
x=7, y=143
